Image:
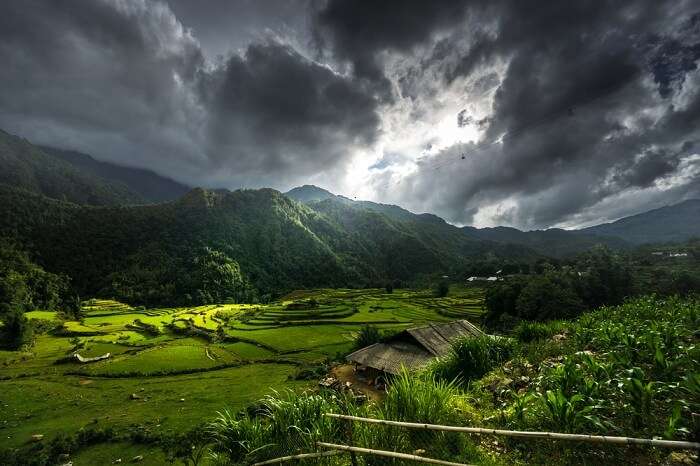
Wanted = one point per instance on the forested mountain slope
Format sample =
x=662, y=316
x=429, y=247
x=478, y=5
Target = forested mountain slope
x=553, y=242
x=674, y=223
x=78, y=178
x=163, y=253
x=150, y=186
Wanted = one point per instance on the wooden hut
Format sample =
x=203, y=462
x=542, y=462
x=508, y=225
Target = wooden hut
x=413, y=348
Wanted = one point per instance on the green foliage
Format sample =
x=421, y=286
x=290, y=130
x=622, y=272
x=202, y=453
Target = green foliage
x=16, y=330
x=442, y=289
x=368, y=335
x=568, y=413
x=27, y=285
x=280, y=425
x=596, y=277
x=545, y=298
x=629, y=369
x=471, y=358
x=528, y=331
x=424, y=399
x=641, y=395
x=217, y=278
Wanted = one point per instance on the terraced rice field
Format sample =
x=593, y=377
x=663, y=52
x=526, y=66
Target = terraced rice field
x=191, y=362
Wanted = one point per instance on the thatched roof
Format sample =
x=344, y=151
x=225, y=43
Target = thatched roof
x=389, y=357
x=438, y=338
x=414, y=347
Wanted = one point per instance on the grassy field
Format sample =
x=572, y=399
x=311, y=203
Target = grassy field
x=172, y=369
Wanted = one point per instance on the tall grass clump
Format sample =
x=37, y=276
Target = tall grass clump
x=281, y=424
x=420, y=398
x=424, y=399
x=472, y=358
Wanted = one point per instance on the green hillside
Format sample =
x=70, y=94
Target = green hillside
x=553, y=242
x=148, y=185
x=24, y=165
x=674, y=223
x=183, y=251
x=78, y=178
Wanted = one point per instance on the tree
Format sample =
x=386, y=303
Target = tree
x=442, y=289
x=543, y=298
x=604, y=277
x=27, y=285
x=501, y=298
x=16, y=330
x=218, y=278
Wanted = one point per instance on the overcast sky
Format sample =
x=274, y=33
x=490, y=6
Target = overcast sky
x=529, y=114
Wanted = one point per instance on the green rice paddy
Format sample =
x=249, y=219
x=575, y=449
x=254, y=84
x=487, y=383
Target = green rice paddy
x=172, y=369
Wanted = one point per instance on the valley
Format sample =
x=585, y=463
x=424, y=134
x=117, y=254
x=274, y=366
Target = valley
x=171, y=369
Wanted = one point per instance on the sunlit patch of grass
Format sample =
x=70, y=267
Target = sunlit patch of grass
x=162, y=359
x=43, y=315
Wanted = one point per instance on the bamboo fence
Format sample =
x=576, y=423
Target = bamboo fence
x=390, y=454
x=301, y=456
x=673, y=444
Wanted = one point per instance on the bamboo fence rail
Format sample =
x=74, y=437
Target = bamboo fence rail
x=674, y=444
x=390, y=454
x=301, y=456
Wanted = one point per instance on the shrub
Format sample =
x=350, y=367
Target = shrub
x=368, y=335
x=471, y=358
x=442, y=289
x=16, y=330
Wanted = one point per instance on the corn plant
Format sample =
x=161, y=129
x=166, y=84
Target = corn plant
x=641, y=395
x=570, y=414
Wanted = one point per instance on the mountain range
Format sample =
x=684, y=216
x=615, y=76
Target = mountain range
x=134, y=235
x=675, y=223
x=79, y=178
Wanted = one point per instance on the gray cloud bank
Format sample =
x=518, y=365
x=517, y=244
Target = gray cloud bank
x=125, y=81
x=592, y=108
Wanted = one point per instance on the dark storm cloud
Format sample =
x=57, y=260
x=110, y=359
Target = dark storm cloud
x=280, y=114
x=125, y=81
x=104, y=77
x=225, y=25
x=585, y=102
x=358, y=31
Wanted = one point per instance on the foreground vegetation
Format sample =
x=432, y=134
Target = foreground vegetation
x=631, y=370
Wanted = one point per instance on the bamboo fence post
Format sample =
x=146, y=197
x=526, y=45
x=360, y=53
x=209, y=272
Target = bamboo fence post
x=349, y=429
